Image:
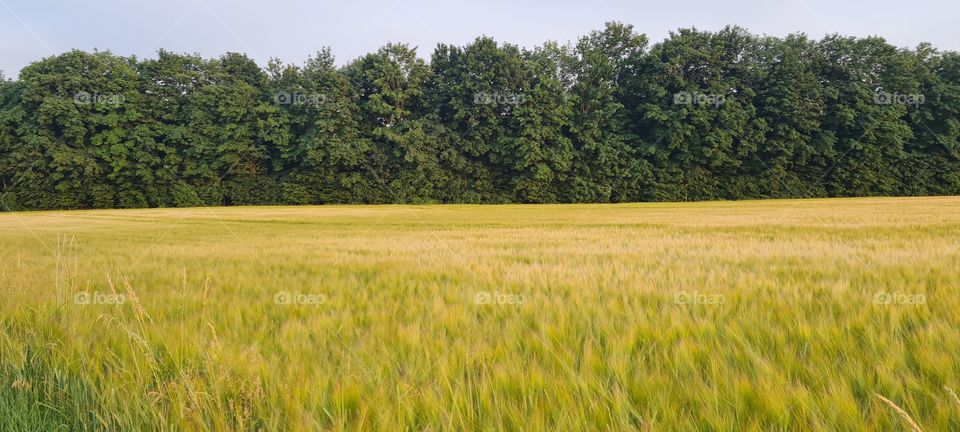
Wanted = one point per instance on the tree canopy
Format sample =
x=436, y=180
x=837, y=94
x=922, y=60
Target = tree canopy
x=609, y=118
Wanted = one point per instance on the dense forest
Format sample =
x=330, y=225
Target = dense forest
x=610, y=118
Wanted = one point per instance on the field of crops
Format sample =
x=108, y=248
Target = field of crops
x=815, y=315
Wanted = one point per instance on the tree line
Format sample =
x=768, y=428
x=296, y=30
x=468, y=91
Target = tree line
x=610, y=118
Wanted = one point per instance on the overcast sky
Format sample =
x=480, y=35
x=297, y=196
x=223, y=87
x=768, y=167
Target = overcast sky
x=293, y=29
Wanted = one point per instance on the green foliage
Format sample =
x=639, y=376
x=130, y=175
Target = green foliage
x=607, y=167
x=402, y=164
x=698, y=116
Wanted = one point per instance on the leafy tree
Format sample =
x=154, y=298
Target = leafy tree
x=789, y=98
x=869, y=133
x=475, y=94
x=403, y=165
x=700, y=115
x=932, y=162
x=326, y=160
x=74, y=124
x=233, y=131
x=541, y=148
x=697, y=115
x=607, y=165
x=9, y=99
x=168, y=84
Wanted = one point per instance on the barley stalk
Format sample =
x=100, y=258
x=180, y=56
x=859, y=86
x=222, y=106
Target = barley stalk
x=903, y=414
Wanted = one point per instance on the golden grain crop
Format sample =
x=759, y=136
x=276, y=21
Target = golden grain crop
x=806, y=315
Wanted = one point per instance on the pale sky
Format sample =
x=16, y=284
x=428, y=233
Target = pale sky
x=293, y=29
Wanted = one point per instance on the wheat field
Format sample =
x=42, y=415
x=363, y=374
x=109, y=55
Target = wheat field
x=812, y=315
